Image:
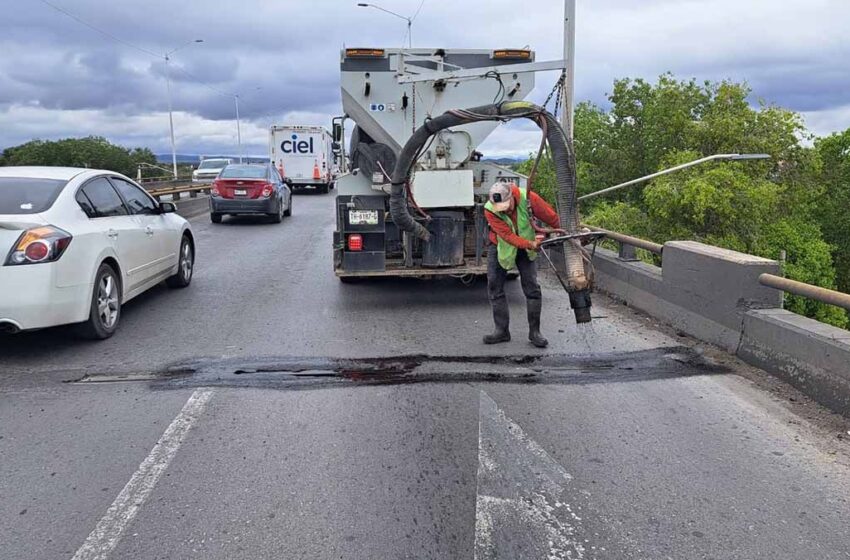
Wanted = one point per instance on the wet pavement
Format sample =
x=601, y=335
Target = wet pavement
x=270, y=411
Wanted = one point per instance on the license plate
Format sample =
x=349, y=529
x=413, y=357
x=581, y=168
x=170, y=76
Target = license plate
x=240, y=191
x=363, y=217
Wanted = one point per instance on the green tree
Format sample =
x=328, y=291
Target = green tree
x=92, y=151
x=796, y=201
x=833, y=207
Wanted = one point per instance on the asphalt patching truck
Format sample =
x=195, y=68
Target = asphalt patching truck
x=388, y=94
x=413, y=202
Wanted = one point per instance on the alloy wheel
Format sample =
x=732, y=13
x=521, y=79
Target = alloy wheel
x=186, y=261
x=107, y=301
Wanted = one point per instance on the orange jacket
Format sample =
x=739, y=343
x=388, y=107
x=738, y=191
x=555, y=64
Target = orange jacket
x=540, y=208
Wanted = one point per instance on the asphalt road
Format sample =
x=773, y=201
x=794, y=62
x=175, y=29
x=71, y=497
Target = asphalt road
x=269, y=411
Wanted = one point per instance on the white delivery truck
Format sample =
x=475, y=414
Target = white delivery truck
x=304, y=155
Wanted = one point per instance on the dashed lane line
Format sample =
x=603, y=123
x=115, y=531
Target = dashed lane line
x=107, y=533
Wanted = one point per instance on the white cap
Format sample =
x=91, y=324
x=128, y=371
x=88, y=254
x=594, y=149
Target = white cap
x=500, y=196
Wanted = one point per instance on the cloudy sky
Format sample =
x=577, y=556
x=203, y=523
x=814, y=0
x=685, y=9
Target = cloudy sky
x=61, y=78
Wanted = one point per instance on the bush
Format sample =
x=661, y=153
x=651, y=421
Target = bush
x=93, y=151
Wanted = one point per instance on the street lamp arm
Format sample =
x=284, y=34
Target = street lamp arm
x=732, y=157
x=183, y=46
x=407, y=19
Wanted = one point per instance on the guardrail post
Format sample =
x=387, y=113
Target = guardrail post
x=627, y=252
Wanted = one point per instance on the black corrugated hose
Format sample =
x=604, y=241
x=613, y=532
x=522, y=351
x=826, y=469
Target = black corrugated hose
x=564, y=161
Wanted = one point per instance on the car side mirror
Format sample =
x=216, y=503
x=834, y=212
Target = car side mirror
x=167, y=207
x=287, y=181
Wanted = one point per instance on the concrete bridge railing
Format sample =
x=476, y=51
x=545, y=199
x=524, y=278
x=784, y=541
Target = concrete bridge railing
x=730, y=299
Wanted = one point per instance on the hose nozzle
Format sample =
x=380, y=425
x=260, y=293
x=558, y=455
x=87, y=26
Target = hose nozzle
x=580, y=302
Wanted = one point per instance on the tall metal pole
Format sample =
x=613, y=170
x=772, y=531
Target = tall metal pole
x=409, y=33
x=167, y=57
x=170, y=118
x=570, y=65
x=238, y=130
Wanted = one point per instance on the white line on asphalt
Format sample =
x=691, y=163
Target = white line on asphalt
x=521, y=508
x=106, y=534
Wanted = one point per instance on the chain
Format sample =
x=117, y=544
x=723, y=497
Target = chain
x=559, y=99
x=557, y=89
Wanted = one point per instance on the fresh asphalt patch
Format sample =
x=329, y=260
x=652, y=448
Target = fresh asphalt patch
x=296, y=373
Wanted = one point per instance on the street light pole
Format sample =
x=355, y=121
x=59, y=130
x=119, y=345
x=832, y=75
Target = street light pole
x=238, y=129
x=569, y=65
x=238, y=125
x=167, y=57
x=728, y=157
x=406, y=18
x=170, y=119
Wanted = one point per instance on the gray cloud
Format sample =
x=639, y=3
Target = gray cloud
x=60, y=78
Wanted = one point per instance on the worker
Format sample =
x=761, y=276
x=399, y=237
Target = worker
x=514, y=244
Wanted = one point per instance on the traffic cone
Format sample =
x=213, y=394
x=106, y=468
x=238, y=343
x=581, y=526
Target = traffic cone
x=316, y=173
x=280, y=169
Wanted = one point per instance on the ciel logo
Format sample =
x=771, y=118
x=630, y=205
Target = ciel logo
x=296, y=146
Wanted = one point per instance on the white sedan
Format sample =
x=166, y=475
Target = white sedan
x=78, y=243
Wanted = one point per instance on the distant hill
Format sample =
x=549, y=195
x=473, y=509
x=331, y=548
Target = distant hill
x=506, y=161
x=195, y=158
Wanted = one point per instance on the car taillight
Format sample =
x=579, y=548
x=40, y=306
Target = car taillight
x=214, y=190
x=39, y=245
x=268, y=188
x=355, y=242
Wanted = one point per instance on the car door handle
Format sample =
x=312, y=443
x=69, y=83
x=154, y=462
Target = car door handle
x=149, y=231
x=112, y=234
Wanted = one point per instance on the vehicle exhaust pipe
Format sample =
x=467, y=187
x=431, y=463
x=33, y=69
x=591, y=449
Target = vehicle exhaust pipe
x=563, y=157
x=7, y=327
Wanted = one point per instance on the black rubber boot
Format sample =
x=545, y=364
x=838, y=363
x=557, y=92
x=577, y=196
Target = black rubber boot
x=534, y=307
x=502, y=318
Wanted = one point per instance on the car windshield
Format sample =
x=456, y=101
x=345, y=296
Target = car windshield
x=212, y=164
x=27, y=195
x=243, y=172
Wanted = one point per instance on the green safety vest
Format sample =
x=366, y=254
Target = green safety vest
x=506, y=251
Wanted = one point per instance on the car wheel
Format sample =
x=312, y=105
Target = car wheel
x=185, y=265
x=289, y=208
x=215, y=218
x=105, y=310
x=277, y=218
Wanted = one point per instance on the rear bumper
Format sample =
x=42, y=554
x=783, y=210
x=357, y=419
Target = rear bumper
x=220, y=205
x=308, y=182
x=395, y=268
x=30, y=299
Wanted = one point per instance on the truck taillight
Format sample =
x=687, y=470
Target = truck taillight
x=355, y=242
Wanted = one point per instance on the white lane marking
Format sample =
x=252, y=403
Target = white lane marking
x=520, y=508
x=106, y=534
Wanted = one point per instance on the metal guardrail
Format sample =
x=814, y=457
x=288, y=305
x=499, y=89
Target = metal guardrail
x=823, y=295
x=176, y=189
x=627, y=245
